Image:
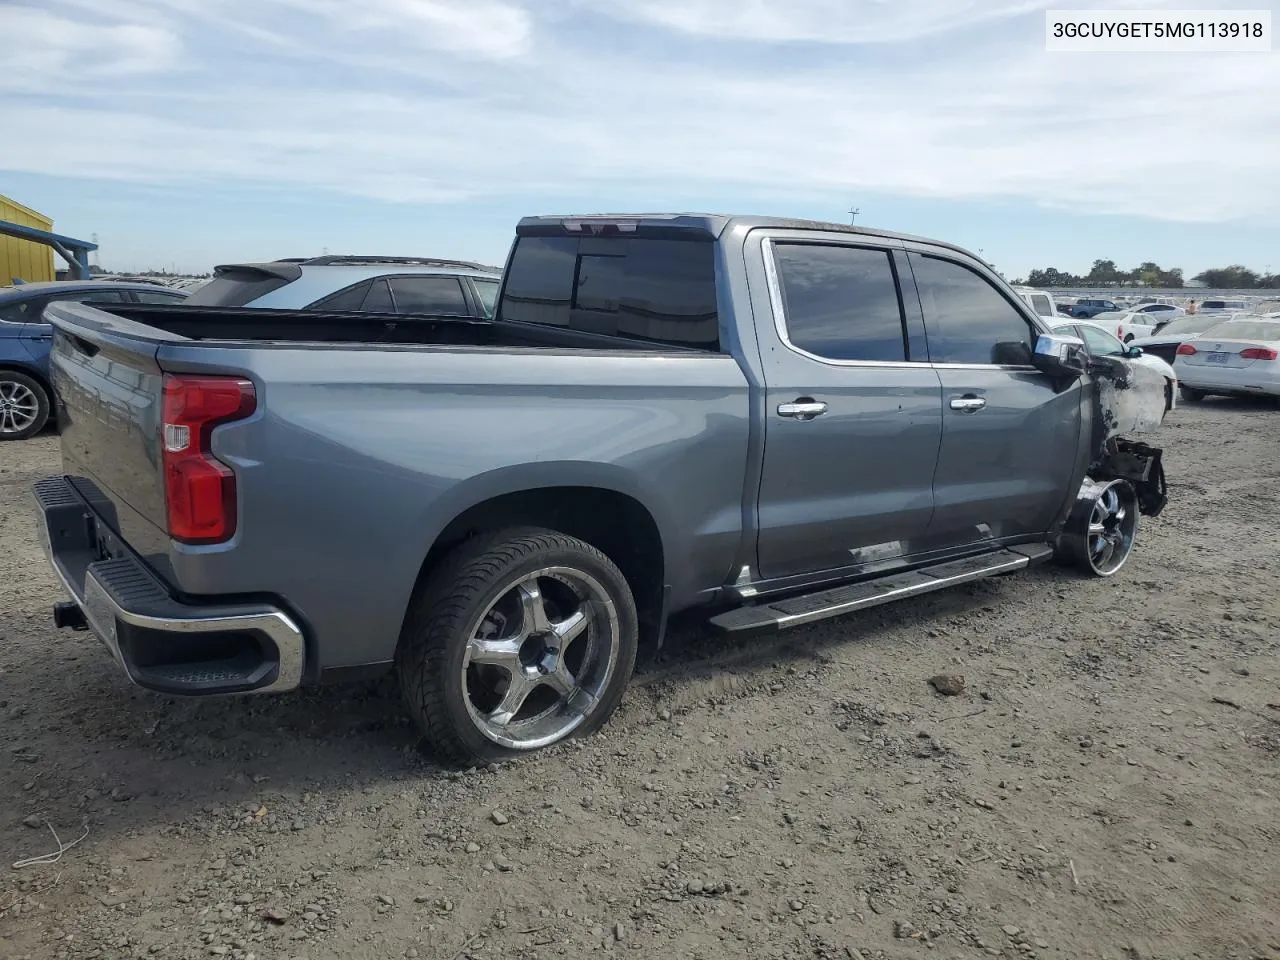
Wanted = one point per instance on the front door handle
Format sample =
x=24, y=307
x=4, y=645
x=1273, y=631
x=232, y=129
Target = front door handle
x=805, y=408
x=968, y=403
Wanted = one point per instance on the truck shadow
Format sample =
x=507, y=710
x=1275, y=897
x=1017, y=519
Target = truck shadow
x=85, y=746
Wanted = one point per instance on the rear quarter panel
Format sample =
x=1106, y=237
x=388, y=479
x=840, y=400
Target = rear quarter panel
x=357, y=460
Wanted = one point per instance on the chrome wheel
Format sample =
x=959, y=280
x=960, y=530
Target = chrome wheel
x=1103, y=527
x=19, y=407
x=540, y=657
x=1113, y=527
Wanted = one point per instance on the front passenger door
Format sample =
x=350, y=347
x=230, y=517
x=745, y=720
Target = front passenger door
x=1010, y=434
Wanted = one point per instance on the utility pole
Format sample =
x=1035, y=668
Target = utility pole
x=853, y=214
x=96, y=261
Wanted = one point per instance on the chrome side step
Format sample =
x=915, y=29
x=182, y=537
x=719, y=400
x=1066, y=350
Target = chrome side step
x=837, y=601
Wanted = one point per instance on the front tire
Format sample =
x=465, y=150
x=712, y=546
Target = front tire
x=24, y=406
x=1101, y=531
x=520, y=639
x=1191, y=395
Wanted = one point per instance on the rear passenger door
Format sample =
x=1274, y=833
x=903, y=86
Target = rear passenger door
x=1010, y=434
x=852, y=412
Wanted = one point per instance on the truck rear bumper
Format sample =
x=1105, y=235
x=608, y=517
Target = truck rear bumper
x=163, y=644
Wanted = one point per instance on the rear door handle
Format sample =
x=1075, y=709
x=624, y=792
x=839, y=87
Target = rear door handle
x=805, y=408
x=968, y=403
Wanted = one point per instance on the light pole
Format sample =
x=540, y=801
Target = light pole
x=853, y=214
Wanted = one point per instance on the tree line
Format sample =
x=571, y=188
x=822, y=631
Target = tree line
x=1105, y=273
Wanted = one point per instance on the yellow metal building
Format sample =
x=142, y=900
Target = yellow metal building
x=23, y=258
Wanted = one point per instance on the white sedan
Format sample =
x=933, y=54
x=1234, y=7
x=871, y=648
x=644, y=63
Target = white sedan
x=1240, y=357
x=1101, y=342
x=1138, y=321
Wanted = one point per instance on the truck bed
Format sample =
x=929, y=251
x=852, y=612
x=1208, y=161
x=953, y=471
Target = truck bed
x=264, y=327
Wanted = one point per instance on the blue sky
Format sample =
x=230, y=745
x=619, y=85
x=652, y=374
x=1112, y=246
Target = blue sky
x=192, y=132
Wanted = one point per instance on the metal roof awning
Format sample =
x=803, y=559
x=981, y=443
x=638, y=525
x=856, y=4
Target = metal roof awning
x=75, y=252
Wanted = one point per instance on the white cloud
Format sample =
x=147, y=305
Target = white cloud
x=502, y=105
x=43, y=49
x=826, y=21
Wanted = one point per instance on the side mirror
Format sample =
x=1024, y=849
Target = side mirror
x=1133, y=353
x=1060, y=355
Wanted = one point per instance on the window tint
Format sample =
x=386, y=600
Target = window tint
x=968, y=320
x=24, y=311
x=156, y=296
x=1101, y=343
x=641, y=288
x=379, y=299
x=488, y=291
x=434, y=295
x=352, y=298
x=841, y=302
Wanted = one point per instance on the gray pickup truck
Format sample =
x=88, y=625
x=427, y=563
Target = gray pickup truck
x=771, y=421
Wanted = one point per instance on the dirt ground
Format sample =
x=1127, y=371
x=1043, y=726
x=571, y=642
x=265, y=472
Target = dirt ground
x=1105, y=787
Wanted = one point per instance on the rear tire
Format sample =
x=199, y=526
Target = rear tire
x=1191, y=395
x=520, y=639
x=24, y=406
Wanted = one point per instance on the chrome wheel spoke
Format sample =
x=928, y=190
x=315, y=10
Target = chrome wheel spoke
x=518, y=690
x=533, y=608
x=570, y=628
x=498, y=653
x=1096, y=529
x=561, y=681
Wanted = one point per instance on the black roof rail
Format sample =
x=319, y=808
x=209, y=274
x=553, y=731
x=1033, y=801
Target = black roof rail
x=349, y=260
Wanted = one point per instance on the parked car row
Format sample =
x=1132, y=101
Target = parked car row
x=366, y=284
x=25, y=338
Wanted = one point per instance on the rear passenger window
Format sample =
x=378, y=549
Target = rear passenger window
x=431, y=295
x=379, y=299
x=966, y=318
x=841, y=303
x=352, y=298
x=663, y=291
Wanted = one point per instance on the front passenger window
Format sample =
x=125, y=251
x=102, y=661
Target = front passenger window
x=967, y=320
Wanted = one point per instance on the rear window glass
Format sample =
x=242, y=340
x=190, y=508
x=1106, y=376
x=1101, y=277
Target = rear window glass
x=235, y=288
x=1245, y=330
x=663, y=291
x=1040, y=303
x=1188, y=324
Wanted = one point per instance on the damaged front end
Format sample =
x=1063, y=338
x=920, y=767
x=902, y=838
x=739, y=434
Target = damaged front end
x=1129, y=400
x=1125, y=477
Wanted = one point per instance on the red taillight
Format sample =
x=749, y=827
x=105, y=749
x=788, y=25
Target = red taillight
x=1186, y=350
x=1258, y=353
x=1119, y=333
x=200, y=492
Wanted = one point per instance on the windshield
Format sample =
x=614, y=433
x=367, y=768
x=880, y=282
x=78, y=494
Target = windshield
x=1247, y=330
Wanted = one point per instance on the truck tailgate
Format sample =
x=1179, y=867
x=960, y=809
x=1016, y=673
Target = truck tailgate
x=109, y=389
